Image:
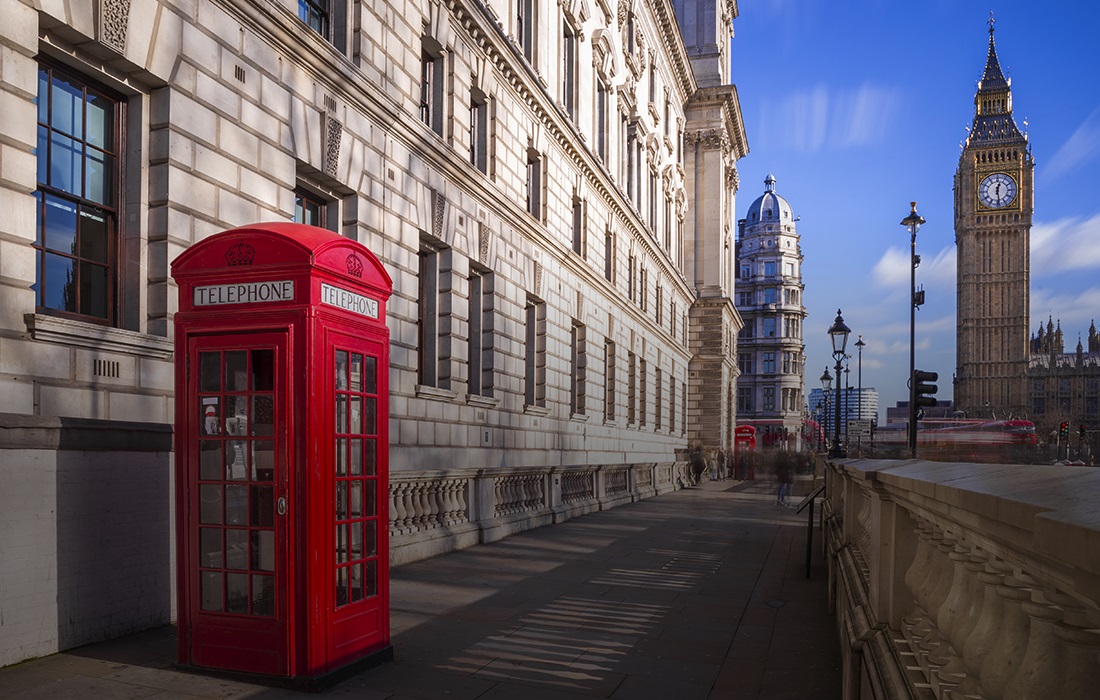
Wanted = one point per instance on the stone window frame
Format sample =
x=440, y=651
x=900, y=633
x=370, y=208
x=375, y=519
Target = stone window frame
x=534, y=352
x=609, y=393
x=433, y=78
x=433, y=318
x=479, y=129
x=481, y=357
x=578, y=361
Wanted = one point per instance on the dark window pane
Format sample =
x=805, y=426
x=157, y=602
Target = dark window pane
x=263, y=550
x=341, y=370
x=370, y=579
x=262, y=421
x=210, y=504
x=341, y=543
x=209, y=371
x=210, y=547
x=370, y=375
x=370, y=539
x=356, y=540
x=369, y=508
x=341, y=586
x=356, y=371
x=211, y=465
x=94, y=241
x=43, y=98
x=356, y=582
x=42, y=153
x=355, y=498
x=65, y=162
x=58, y=285
x=94, y=295
x=236, y=590
x=370, y=421
x=341, y=413
x=263, y=595
x=212, y=591
x=263, y=370
x=236, y=376
x=263, y=506
x=59, y=228
x=356, y=456
x=368, y=458
x=341, y=500
x=263, y=460
x=355, y=425
x=236, y=505
x=342, y=456
x=236, y=549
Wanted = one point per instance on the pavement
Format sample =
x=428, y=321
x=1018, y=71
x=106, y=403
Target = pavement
x=701, y=593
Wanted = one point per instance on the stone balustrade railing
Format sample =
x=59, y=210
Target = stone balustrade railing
x=432, y=512
x=965, y=580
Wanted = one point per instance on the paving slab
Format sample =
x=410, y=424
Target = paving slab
x=700, y=593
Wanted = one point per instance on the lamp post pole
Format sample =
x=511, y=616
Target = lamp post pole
x=859, y=389
x=838, y=333
x=826, y=387
x=912, y=223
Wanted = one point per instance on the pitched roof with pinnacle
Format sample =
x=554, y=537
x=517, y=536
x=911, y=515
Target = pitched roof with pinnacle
x=996, y=128
x=993, y=79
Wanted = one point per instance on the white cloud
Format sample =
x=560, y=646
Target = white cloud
x=937, y=270
x=1075, y=311
x=1065, y=244
x=817, y=118
x=1082, y=146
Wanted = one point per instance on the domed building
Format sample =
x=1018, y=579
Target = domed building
x=770, y=351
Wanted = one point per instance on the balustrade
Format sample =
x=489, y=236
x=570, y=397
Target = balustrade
x=439, y=511
x=999, y=590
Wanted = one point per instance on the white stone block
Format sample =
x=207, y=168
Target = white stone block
x=28, y=358
x=67, y=400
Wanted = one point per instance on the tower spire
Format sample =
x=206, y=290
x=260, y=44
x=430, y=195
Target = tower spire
x=993, y=120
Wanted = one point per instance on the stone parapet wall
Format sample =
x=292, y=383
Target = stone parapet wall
x=965, y=580
x=431, y=513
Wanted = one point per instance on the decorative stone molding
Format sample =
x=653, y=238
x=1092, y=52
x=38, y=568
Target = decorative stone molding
x=70, y=332
x=334, y=131
x=114, y=21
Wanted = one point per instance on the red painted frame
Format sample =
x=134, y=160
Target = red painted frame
x=338, y=285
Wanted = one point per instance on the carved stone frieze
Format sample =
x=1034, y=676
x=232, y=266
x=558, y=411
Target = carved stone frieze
x=114, y=18
x=334, y=132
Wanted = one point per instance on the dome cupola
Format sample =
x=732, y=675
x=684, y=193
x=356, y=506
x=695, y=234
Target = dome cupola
x=769, y=207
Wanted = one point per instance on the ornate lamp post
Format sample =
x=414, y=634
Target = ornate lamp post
x=859, y=388
x=912, y=224
x=826, y=387
x=838, y=333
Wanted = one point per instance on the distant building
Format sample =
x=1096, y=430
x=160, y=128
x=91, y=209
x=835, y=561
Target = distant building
x=1064, y=386
x=855, y=403
x=770, y=351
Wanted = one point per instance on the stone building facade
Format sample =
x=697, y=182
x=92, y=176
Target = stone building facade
x=1065, y=386
x=770, y=350
x=550, y=185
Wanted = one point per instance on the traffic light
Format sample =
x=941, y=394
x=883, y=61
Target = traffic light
x=1081, y=432
x=924, y=391
x=1063, y=430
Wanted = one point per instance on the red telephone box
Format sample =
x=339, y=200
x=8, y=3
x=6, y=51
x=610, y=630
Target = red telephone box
x=282, y=415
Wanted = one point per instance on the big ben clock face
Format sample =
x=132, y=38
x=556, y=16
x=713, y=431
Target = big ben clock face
x=997, y=191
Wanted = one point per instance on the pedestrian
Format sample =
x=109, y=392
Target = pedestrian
x=698, y=465
x=784, y=478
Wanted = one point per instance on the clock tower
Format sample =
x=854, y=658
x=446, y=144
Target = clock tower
x=994, y=200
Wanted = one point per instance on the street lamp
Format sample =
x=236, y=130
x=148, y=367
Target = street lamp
x=826, y=387
x=838, y=333
x=912, y=224
x=859, y=388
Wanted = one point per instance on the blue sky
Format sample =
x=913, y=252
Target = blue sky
x=859, y=107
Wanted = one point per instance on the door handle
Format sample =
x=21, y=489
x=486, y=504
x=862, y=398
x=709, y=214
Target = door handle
x=280, y=505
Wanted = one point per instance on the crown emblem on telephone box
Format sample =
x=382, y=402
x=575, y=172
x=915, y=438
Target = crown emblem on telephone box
x=240, y=254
